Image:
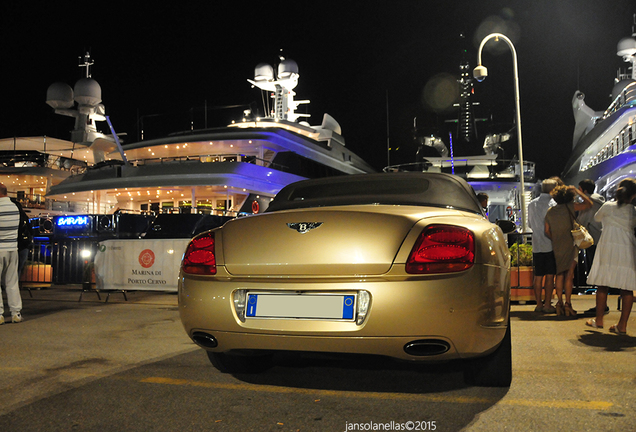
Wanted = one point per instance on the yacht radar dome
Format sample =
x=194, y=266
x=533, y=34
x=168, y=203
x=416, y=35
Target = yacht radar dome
x=263, y=72
x=59, y=95
x=287, y=69
x=626, y=47
x=88, y=92
x=281, y=86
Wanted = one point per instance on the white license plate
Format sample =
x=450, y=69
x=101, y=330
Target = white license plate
x=301, y=306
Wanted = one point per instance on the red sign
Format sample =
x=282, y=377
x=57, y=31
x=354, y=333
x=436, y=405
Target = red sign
x=146, y=258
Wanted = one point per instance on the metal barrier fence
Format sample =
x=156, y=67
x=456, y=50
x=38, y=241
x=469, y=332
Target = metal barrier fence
x=59, y=261
x=64, y=246
x=69, y=259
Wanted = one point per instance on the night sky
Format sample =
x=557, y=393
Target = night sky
x=358, y=60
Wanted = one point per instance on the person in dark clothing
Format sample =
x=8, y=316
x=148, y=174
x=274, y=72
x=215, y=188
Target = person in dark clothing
x=25, y=237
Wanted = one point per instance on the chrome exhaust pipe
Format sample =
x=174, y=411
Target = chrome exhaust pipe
x=426, y=347
x=205, y=340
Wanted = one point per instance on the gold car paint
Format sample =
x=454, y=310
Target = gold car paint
x=469, y=309
x=265, y=245
x=402, y=310
x=447, y=308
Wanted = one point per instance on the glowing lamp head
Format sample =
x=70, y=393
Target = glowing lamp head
x=480, y=73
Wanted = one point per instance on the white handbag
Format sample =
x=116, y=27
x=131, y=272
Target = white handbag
x=582, y=238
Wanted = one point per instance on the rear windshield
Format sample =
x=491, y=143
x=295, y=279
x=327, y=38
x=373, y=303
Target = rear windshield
x=182, y=225
x=421, y=189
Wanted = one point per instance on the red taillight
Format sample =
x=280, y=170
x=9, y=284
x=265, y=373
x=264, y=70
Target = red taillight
x=199, y=257
x=442, y=249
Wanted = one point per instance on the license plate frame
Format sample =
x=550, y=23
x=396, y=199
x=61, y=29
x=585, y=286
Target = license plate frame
x=303, y=306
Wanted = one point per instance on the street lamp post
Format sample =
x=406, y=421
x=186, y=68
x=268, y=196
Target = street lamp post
x=480, y=73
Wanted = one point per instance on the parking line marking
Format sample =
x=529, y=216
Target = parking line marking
x=571, y=404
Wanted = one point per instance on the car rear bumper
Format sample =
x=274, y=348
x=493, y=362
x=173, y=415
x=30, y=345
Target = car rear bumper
x=428, y=348
x=468, y=312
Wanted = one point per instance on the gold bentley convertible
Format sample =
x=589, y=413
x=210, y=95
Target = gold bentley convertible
x=403, y=265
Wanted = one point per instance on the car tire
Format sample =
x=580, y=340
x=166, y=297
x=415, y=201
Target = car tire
x=240, y=363
x=493, y=370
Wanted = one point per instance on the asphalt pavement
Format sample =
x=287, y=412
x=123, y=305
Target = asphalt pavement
x=117, y=363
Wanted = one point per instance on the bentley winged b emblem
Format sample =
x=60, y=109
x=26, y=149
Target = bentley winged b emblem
x=303, y=227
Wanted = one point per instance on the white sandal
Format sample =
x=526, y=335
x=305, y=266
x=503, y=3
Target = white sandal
x=592, y=323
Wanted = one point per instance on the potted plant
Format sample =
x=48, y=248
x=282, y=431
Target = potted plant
x=521, y=271
x=521, y=255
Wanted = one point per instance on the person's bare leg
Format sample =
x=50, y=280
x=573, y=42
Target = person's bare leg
x=537, y=284
x=601, y=302
x=569, y=283
x=558, y=283
x=626, y=308
x=558, y=286
x=569, y=287
x=549, y=288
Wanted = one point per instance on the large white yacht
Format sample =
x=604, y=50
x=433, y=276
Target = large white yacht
x=94, y=188
x=227, y=171
x=604, y=141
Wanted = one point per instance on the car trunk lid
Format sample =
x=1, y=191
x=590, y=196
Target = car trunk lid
x=315, y=242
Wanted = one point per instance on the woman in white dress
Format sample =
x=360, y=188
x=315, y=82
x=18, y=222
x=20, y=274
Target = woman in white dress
x=615, y=260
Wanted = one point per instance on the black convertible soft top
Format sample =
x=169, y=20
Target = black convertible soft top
x=401, y=188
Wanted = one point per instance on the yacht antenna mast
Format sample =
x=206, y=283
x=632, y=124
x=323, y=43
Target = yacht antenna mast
x=88, y=62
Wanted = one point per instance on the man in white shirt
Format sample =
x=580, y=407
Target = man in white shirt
x=542, y=254
x=9, y=223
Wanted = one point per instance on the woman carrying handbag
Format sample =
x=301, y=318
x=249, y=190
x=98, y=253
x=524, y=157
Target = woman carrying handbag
x=558, y=228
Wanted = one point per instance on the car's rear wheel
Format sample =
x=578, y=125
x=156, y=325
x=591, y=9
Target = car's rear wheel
x=240, y=363
x=495, y=369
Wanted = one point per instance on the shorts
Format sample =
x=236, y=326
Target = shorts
x=544, y=263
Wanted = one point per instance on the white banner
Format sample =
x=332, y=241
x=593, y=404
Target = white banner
x=139, y=264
